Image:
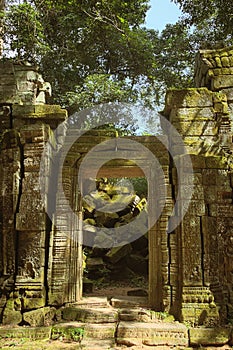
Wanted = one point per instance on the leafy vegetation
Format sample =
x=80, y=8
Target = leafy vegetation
x=96, y=52
x=68, y=333
x=216, y=16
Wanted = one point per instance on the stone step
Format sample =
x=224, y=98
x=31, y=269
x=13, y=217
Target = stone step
x=78, y=331
x=114, y=336
x=129, y=302
x=91, y=302
x=90, y=315
x=143, y=315
x=211, y=336
x=152, y=334
x=33, y=333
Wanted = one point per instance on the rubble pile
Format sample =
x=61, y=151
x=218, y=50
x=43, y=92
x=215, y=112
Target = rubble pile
x=105, y=207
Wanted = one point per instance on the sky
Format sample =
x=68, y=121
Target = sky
x=161, y=13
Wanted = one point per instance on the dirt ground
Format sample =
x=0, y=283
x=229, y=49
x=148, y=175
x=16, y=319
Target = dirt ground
x=22, y=344
x=118, y=288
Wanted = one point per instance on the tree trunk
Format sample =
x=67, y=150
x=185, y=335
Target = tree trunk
x=2, y=9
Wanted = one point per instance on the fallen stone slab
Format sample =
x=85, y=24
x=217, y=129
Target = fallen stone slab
x=91, y=315
x=152, y=334
x=209, y=336
x=129, y=301
x=144, y=315
x=91, y=302
x=40, y=317
x=118, y=253
x=135, y=314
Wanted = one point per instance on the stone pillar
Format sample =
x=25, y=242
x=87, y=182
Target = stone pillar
x=197, y=114
x=25, y=226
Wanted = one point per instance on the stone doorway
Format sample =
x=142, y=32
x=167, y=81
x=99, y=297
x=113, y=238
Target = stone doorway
x=68, y=259
x=157, y=237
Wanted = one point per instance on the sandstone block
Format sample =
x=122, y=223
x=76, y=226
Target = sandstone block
x=34, y=303
x=117, y=253
x=90, y=315
x=152, y=334
x=99, y=331
x=26, y=332
x=221, y=82
x=199, y=128
x=11, y=317
x=197, y=162
x=191, y=114
x=39, y=317
x=209, y=336
x=221, y=107
x=228, y=92
x=129, y=302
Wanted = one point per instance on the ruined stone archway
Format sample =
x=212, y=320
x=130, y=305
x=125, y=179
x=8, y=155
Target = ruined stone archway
x=190, y=267
x=159, y=297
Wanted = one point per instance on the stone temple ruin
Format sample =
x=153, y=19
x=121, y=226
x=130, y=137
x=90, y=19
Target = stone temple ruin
x=190, y=268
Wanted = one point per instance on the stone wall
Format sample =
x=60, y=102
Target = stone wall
x=22, y=84
x=204, y=119
x=26, y=124
x=214, y=70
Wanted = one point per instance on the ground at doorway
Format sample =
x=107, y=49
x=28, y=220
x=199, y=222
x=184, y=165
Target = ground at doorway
x=24, y=344
x=111, y=288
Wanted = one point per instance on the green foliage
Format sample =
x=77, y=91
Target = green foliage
x=140, y=186
x=25, y=33
x=82, y=44
x=212, y=16
x=69, y=333
x=97, y=52
x=175, y=70
x=97, y=89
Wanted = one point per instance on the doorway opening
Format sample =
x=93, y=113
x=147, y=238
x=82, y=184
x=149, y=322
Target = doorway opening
x=113, y=202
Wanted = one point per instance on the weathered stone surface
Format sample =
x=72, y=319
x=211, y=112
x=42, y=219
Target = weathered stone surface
x=39, y=317
x=152, y=334
x=136, y=315
x=209, y=336
x=33, y=333
x=11, y=317
x=192, y=114
x=88, y=331
x=126, y=301
x=21, y=83
x=188, y=98
x=117, y=253
x=93, y=315
x=95, y=302
x=98, y=344
x=221, y=82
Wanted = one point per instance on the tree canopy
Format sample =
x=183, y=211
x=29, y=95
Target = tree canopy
x=215, y=15
x=100, y=51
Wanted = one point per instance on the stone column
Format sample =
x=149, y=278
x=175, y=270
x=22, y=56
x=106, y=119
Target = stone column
x=195, y=114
